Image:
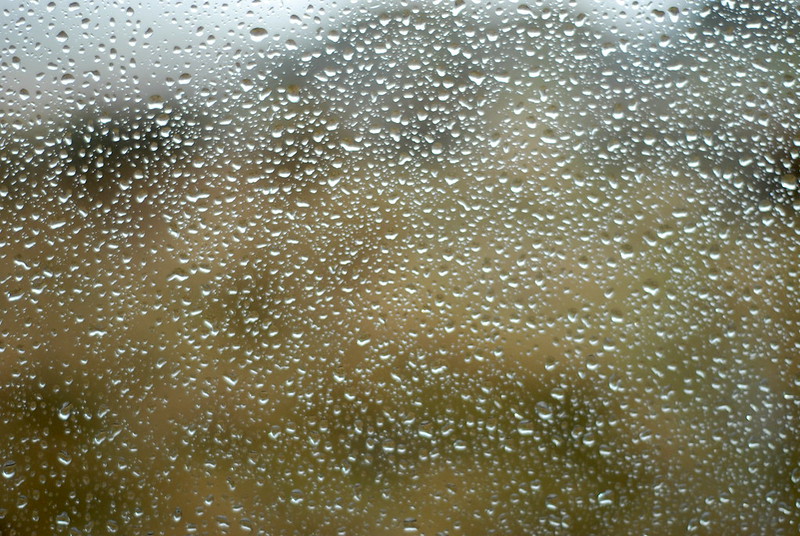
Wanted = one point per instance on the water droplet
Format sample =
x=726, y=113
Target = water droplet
x=64, y=457
x=9, y=469
x=544, y=411
x=605, y=498
x=258, y=34
x=525, y=428
x=651, y=287
x=65, y=411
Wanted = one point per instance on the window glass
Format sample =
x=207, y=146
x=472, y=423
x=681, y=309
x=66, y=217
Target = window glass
x=399, y=267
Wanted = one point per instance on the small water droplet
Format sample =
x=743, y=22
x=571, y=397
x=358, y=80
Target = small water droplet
x=410, y=525
x=544, y=411
x=64, y=457
x=605, y=498
x=525, y=428
x=258, y=34
x=9, y=469
x=65, y=411
x=297, y=496
x=651, y=287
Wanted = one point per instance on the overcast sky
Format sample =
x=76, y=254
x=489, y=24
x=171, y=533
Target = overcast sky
x=104, y=49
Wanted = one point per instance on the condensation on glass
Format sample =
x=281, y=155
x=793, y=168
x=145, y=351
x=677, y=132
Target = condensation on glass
x=413, y=267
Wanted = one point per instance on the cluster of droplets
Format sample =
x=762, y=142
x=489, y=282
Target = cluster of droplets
x=423, y=267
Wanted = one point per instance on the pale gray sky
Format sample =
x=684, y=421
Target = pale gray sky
x=104, y=51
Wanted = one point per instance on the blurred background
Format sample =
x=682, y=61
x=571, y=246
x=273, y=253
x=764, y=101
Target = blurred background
x=430, y=267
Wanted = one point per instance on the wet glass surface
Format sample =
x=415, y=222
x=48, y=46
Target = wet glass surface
x=399, y=267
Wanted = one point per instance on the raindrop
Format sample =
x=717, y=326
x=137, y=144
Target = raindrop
x=9, y=469
x=64, y=457
x=544, y=410
x=65, y=411
x=258, y=34
x=525, y=428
